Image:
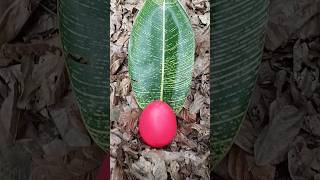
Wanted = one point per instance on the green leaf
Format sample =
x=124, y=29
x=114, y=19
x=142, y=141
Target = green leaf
x=161, y=53
x=237, y=37
x=84, y=32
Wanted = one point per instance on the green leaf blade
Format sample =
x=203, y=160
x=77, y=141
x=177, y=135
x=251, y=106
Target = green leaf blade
x=84, y=34
x=237, y=38
x=161, y=54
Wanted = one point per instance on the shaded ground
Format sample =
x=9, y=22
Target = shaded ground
x=280, y=138
x=41, y=132
x=40, y=125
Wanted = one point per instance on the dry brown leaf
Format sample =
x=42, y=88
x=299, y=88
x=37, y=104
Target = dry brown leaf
x=45, y=24
x=238, y=166
x=13, y=15
x=128, y=120
x=260, y=172
x=68, y=122
x=15, y=163
x=273, y=142
x=202, y=43
x=197, y=104
x=205, y=114
x=56, y=147
x=117, y=173
x=281, y=79
x=307, y=83
x=300, y=55
x=311, y=28
x=246, y=137
x=142, y=169
x=187, y=116
x=125, y=87
x=286, y=17
x=266, y=75
x=201, y=66
x=173, y=170
x=183, y=141
x=312, y=124
x=300, y=159
x=117, y=59
x=241, y=166
x=74, y=165
x=9, y=114
x=205, y=19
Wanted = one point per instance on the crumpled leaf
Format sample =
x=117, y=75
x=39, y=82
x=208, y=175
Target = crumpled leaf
x=13, y=15
x=300, y=55
x=301, y=159
x=15, y=163
x=286, y=17
x=8, y=113
x=142, y=169
x=312, y=124
x=200, y=67
x=187, y=116
x=67, y=119
x=275, y=139
x=246, y=137
x=79, y=164
x=241, y=166
x=128, y=120
x=56, y=147
x=197, y=104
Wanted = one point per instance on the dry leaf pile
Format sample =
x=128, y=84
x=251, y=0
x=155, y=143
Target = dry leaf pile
x=41, y=132
x=280, y=137
x=187, y=156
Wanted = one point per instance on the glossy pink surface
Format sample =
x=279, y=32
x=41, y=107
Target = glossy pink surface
x=157, y=124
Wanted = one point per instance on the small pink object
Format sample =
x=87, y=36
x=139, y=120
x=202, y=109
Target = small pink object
x=104, y=171
x=157, y=124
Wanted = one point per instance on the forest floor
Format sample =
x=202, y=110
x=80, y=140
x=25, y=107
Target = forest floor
x=187, y=156
x=40, y=124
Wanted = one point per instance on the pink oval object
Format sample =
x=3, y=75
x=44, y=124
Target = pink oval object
x=157, y=124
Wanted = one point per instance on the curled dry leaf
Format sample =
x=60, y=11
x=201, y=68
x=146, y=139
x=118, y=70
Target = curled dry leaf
x=301, y=159
x=187, y=116
x=8, y=112
x=13, y=15
x=197, y=104
x=68, y=122
x=286, y=17
x=74, y=165
x=124, y=87
x=15, y=162
x=246, y=137
x=200, y=67
x=142, y=169
x=312, y=124
x=269, y=147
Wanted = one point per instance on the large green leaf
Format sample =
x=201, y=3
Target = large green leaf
x=161, y=53
x=236, y=46
x=84, y=32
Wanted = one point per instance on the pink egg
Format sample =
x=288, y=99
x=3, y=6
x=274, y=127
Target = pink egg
x=157, y=124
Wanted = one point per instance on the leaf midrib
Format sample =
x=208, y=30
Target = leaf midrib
x=163, y=49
